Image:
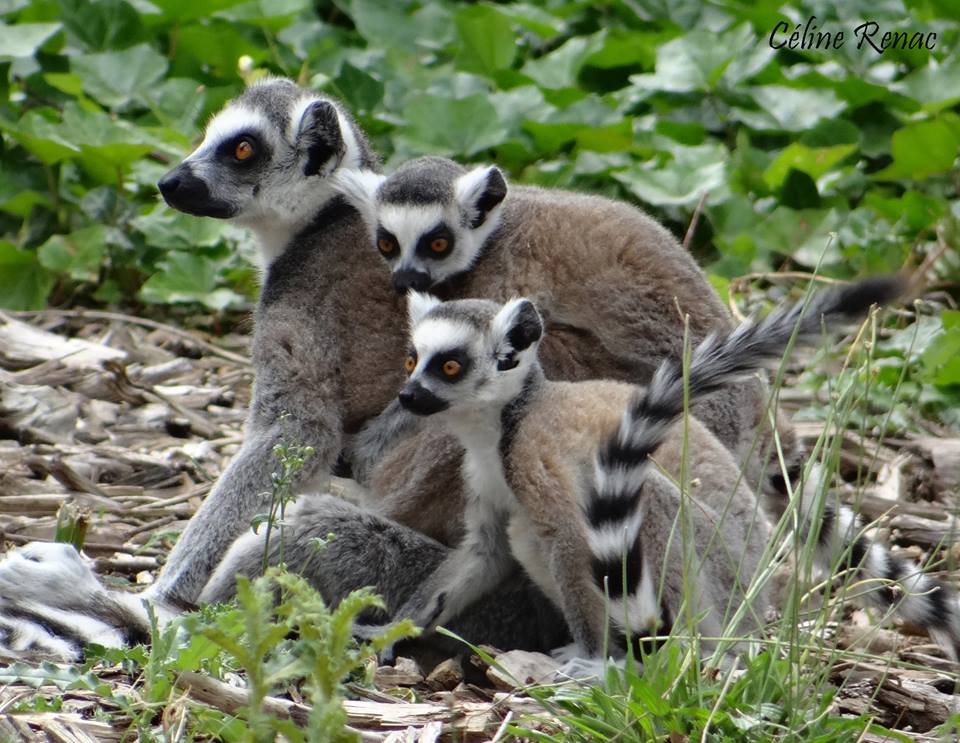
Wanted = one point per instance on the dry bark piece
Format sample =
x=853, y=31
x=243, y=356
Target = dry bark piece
x=446, y=676
x=945, y=455
x=522, y=668
x=23, y=346
x=404, y=672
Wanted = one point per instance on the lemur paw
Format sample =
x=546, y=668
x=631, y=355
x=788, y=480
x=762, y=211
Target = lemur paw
x=367, y=632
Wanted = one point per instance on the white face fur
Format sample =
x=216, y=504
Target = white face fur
x=427, y=237
x=468, y=356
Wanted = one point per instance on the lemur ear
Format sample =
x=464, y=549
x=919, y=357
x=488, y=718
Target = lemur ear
x=418, y=305
x=319, y=138
x=516, y=327
x=359, y=187
x=479, y=192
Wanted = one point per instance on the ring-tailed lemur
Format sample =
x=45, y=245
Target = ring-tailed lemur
x=594, y=267
x=561, y=473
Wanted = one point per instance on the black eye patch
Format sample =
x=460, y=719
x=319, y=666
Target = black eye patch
x=436, y=244
x=227, y=150
x=439, y=365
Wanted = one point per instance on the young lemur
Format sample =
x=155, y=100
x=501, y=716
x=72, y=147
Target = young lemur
x=561, y=472
x=610, y=283
x=328, y=341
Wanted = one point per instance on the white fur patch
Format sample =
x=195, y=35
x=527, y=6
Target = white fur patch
x=360, y=187
x=351, y=155
x=418, y=305
x=610, y=541
x=643, y=610
x=433, y=335
x=230, y=122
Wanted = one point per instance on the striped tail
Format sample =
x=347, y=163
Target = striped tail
x=613, y=511
x=890, y=583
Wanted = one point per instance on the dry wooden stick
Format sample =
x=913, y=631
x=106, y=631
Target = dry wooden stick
x=144, y=322
x=230, y=699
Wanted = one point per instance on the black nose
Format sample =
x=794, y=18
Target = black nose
x=408, y=278
x=169, y=184
x=419, y=400
x=185, y=192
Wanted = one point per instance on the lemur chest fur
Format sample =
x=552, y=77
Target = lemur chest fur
x=483, y=470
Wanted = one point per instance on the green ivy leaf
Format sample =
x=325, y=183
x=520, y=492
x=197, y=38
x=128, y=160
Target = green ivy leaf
x=487, y=40
x=102, y=24
x=923, y=149
x=559, y=68
x=165, y=228
x=936, y=86
x=683, y=179
x=440, y=125
x=387, y=25
x=79, y=254
x=24, y=283
x=792, y=109
x=700, y=59
x=941, y=359
x=188, y=277
x=184, y=11
x=118, y=78
x=41, y=137
x=358, y=88
x=814, y=161
x=23, y=39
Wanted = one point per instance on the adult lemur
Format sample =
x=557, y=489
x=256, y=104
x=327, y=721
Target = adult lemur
x=327, y=347
x=562, y=473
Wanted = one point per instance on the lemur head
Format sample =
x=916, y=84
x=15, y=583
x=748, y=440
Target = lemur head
x=468, y=354
x=266, y=160
x=430, y=218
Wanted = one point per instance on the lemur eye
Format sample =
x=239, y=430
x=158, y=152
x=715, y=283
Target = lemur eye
x=451, y=368
x=243, y=151
x=385, y=246
x=410, y=363
x=439, y=244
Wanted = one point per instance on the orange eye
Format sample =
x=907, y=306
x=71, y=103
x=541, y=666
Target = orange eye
x=439, y=244
x=451, y=368
x=385, y=246
x=410, y=364
x=244, y=150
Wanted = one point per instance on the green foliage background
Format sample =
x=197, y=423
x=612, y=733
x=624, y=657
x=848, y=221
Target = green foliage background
x=654, y=101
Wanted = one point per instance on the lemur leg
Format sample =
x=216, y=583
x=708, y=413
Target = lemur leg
x=583, y=605
x=368, y=550
x=466, y=574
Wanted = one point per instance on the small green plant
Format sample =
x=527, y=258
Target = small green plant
x=291, y=456
x=72, y=523
x=296, y=639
